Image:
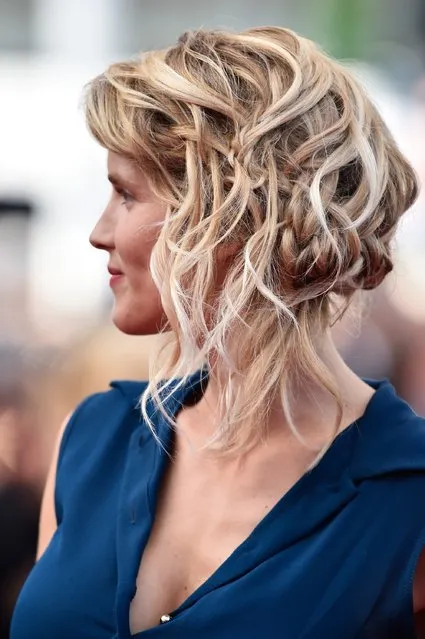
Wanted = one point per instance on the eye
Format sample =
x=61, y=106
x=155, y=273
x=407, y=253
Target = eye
x=125, y=195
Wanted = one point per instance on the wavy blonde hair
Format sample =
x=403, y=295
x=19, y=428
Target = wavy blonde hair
x=262, y=145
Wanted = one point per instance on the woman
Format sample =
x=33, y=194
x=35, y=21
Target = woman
x=261, y=488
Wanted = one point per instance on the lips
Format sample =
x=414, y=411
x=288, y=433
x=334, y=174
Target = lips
x=114, y=271
x=116, y=275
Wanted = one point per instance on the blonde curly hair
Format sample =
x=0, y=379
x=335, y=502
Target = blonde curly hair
x=261, y=143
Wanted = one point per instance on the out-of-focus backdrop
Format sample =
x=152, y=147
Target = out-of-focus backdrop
x=56, y=341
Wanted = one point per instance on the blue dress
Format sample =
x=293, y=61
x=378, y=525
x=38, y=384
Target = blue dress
x=334, y=559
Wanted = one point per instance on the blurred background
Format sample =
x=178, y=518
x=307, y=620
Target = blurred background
x=56, y=341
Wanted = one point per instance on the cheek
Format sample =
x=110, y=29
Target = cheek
x=138, y=308
x=134, y=247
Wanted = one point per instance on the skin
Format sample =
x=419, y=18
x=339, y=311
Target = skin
x=126, y=231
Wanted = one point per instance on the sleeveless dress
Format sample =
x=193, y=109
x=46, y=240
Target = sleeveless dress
x=334, y=559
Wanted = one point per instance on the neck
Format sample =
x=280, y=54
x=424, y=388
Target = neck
x=314, y=410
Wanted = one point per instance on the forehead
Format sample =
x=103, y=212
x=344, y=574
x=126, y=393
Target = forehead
x=120, y=165
x=122, y=170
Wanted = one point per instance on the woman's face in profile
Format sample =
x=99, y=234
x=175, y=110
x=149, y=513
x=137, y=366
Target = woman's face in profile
x=127, y=230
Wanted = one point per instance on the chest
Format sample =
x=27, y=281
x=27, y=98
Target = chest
x=198, y=525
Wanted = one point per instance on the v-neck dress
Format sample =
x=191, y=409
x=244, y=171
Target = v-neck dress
x=334, y=559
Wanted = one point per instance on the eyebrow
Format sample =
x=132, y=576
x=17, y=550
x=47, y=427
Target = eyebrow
x=126, y=182
x=116, y=179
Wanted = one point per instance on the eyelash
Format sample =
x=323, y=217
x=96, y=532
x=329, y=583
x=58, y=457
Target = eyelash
x=127, y=197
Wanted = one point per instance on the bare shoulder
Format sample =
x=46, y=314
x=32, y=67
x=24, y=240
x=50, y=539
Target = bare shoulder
x=48, y=523
x=419, y=597
x=419, y=585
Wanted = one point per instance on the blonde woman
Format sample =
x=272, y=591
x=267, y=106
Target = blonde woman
x=271, y=492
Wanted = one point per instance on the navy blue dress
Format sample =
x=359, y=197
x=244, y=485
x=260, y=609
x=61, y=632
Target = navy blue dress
x=334, y=559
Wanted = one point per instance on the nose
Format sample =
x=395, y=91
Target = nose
x=102, y=236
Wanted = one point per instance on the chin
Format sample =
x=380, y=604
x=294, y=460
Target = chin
x=138, y=324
